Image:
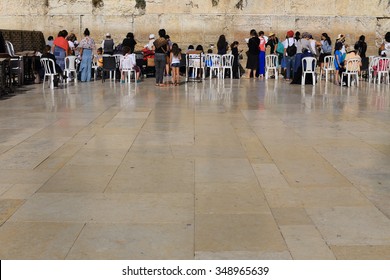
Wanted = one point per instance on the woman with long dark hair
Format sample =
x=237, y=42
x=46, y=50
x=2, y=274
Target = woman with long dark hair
x=326, y=48
x=175, y=63
x=222, y=45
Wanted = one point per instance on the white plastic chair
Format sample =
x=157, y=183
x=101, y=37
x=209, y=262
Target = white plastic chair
x=309, y=67
x=227, y=63
x=10, y=48
x=214, y=64
x=50, y=71
x=127, y=66
x=271, y=64
x=328, y=66
x=351, y=70
x=372, y=68
x=118, y=58
x=383, y=69
x=195, y=62
x=70, y=67
x=95, y=69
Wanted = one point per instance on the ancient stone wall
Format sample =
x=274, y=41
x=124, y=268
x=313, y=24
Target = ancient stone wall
x=200, y=21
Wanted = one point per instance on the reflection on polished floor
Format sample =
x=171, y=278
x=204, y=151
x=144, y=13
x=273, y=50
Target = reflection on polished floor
x=223, y=169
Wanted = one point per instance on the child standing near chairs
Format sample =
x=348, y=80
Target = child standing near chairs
x=338, y=61
x=236, y=54
x=175, y=63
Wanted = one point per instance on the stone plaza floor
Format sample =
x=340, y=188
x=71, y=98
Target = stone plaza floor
x=220, y=169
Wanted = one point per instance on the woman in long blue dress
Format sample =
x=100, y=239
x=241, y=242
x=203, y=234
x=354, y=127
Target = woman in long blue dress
x=86, y=46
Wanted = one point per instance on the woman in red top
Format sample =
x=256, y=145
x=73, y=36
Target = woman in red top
x=61, y=48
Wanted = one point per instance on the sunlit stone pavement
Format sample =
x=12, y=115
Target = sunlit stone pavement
x=220, y=169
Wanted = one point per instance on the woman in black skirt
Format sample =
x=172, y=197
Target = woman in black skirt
x=253, y=55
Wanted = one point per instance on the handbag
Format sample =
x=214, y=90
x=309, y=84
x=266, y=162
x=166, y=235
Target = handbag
x=280, y=48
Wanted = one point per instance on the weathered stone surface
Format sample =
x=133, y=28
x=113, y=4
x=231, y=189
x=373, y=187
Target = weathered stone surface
x=199, y=21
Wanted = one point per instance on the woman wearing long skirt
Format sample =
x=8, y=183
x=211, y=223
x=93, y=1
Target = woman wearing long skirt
x=86, y=46
x=261, y=70
x=253, y=55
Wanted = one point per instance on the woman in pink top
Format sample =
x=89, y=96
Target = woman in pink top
x=261, y=70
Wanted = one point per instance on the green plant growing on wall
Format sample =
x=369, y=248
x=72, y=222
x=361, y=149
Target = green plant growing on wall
x=97, y=3
x=140, y=4
x=240, y=4
x=214, y=2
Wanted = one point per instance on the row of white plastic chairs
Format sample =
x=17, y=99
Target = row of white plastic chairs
x=118, y=61
x=379, y=67
x=217, y=64
x=111, y=63
x=309, y=65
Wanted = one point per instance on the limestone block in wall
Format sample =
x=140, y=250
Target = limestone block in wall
x=95, y=24
x=145, y=25
x=117, y=7
x=172, y=25
x=376, y=8
x=21, y=7
x=71, y=23
x=310, y=8
x=39, y=23
x=117, y=26
x=194, y=33
x=314, y=25
x=263, y=7
x=281, y=25
x=257, y=22
x=76, y=7
x=170, y=22
x=11, y=22
x=184, y=6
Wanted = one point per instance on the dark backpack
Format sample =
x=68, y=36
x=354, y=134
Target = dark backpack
x=291, y=50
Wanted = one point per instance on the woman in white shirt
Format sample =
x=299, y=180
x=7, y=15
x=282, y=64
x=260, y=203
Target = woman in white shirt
x=385, y=47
